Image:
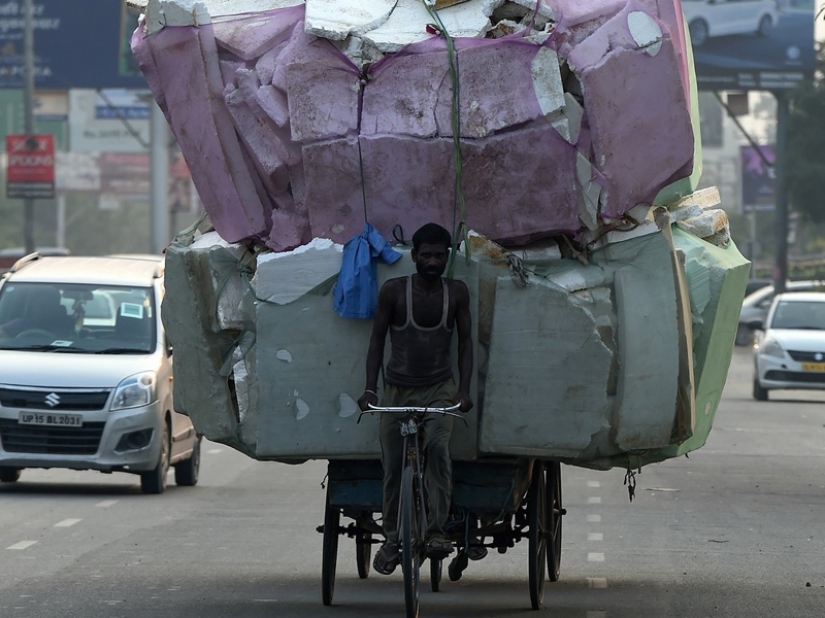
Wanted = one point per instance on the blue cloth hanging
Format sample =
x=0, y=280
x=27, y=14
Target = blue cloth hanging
x=356, y=292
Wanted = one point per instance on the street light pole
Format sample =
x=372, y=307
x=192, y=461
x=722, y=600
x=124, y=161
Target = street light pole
x=28, y=111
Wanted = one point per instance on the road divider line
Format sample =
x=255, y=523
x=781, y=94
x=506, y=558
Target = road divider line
x=106, y=504
x=595, y=536
x=214, y=451
x=593, y=484
x=66, y=523
x=597, y=582
x=594, y=519
x=594, y=500
x=22, y=545
x=596, y=614
x=595, y=556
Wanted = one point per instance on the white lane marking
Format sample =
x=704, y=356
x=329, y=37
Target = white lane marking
x=597, y=614
x=595, y=536
x=66, y=523
x=215, y=451
x=593, y=484
x=594, y=519
x=595, y=556
x=106, y=504
x=597, y=582
x=594, y=500
x=22, y=545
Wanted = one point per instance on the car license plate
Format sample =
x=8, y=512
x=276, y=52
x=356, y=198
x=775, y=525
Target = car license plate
x=50, y=418
x=813, y=366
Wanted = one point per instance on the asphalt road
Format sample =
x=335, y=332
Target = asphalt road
x=735, y=530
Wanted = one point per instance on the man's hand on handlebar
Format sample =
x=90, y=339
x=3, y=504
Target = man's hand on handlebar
x=367, y=399
x=463, y=399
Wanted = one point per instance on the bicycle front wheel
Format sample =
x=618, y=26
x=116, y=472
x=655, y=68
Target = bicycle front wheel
x=410, y=541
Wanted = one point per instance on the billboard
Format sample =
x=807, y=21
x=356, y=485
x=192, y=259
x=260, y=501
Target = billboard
x=77, y=44
x=758, y=179
x=751, y=44
x=109, y=120
x=30, y=171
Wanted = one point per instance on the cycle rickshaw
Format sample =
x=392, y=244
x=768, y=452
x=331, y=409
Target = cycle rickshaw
x=496, y=503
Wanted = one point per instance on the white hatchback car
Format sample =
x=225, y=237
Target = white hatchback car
x=712, y=18
x=790, y=353
x=86, y=380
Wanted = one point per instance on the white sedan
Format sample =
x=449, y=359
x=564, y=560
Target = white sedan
x=790, y=353
x=711, y=18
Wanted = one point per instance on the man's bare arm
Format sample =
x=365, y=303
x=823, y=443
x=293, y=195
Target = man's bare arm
x=463, y=322
x=375, y=354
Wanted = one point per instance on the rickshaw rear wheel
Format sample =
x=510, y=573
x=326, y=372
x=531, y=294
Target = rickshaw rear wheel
x=555, y=513
x=329, y=557
x=537, y=534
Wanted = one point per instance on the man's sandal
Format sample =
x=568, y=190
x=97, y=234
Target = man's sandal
x=386, y=559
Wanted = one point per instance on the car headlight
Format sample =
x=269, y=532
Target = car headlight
x=771, y=347
x=135, y=391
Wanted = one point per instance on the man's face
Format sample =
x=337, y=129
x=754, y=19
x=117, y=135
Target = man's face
x=430, y=260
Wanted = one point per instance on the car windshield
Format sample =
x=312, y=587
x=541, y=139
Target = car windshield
x=79, y=318
x=803, y=315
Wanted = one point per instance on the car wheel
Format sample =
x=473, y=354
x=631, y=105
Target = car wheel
x=759, y=392
x=9, y=475
x=186, y=472
x=744, y=335
x=698, y=32
x=765, y=26
x=154, y=481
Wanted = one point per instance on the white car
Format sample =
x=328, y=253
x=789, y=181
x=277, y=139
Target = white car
x=755, y=306
x=790, y=353
x=86, y=380
x=712, y=18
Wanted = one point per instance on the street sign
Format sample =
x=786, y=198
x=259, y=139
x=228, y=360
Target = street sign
x=30, y=167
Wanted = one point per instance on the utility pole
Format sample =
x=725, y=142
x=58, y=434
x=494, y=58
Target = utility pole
x=28, y=111
x=160, y=179
x=780, y=269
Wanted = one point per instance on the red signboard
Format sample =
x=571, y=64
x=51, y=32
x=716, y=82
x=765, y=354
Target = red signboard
x=30, y=169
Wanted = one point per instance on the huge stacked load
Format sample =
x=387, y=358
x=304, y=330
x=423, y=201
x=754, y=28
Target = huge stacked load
x=561, y=134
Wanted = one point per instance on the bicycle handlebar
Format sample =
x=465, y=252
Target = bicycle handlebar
x=409, y=409
x=446, y=411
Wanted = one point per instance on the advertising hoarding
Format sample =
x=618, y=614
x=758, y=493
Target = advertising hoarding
x=77, y=44
x=30, y=166
x=751, y=44
x=108, y=120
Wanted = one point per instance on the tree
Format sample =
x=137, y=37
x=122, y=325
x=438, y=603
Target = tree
x=805, y=156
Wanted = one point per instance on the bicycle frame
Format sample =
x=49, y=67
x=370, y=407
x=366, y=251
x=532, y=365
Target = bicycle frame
x=412, y=516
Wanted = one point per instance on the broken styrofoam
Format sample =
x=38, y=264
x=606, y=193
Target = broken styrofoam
x=338, y=20
x=287, y=95
x=563, y=362
x=229, y=286
x=282, y=278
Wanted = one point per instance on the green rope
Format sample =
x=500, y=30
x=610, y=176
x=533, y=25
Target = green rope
x=438, y=26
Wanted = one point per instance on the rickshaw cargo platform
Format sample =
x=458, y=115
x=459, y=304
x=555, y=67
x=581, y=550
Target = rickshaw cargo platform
x=619, y=362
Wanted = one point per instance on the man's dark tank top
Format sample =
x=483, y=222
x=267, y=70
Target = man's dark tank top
x=420, y=356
